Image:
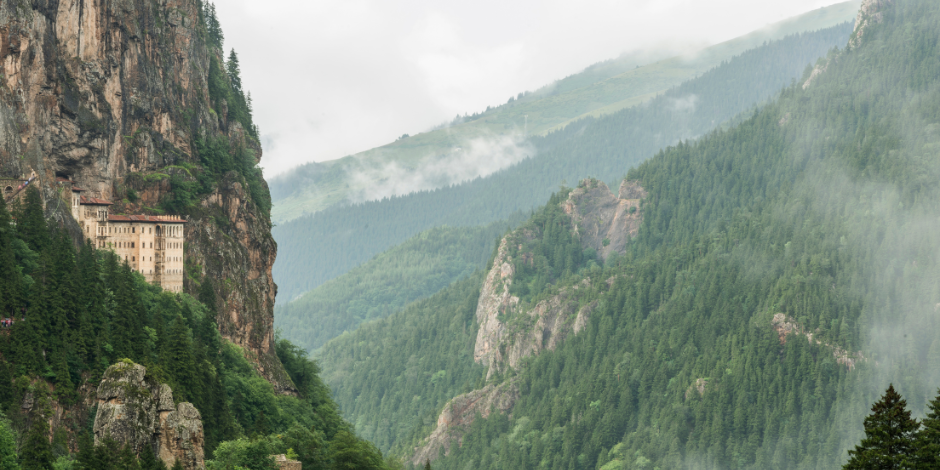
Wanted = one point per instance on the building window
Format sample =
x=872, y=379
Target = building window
x=132, y=244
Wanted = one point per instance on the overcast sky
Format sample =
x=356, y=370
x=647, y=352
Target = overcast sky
x=330, y=78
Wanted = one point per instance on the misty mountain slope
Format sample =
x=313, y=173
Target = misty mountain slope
x=324, y=245
x=415, y=269
x=784, y=273
x=598, y=90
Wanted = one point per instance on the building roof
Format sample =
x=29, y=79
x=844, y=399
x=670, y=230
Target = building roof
x=146, y=219
x=93, y=201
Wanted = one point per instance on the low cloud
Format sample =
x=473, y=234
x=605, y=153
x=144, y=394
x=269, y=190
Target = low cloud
x=685, y=104
x=477, y=158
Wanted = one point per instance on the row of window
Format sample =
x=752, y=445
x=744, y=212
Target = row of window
x=170, y=259
x=165, y=271
x=173, y=231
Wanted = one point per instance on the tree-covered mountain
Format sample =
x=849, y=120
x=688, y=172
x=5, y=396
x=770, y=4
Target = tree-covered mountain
x=415, y=269
x=784, y=273
x=324, y=245
x=68, y=315
x=600, y=89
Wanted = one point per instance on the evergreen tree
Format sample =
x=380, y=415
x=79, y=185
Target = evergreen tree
x=127, y=459
x=7, y=444
x=10, y=282
x=234, y=71
x=37, y=452
x=928, y=437
x=889, y=436
x=30, y=223
x=427, y=464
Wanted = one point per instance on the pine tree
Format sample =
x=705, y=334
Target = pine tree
x=889, y=436
x=10, y=281
x=31, y=224
x=234, y=71
x=7, y=445
x=37, y=452
x=177, y=359
x=427, y=464
x=928, y=437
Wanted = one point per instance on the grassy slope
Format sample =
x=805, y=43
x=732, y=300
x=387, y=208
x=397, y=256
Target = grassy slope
x=319, y=247
x=599, y=90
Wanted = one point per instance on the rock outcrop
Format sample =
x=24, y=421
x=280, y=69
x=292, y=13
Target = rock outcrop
x=500, y=344
x=134, y=409
x=511, y=330
x=114, y=95
x=605, y=221
x=785, y=326
x=870, y=13
x=460, y=412
x=284, y=463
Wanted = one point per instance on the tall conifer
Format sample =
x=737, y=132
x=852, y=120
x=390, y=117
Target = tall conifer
x=928, y=437
x=889, y=436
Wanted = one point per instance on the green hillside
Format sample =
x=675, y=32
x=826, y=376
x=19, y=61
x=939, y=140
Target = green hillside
x=319, y=247
x=600, y=89
x=785, y=272
x=419, y=267
x=77, y=312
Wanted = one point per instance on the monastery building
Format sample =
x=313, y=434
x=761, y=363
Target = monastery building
x=151, y=245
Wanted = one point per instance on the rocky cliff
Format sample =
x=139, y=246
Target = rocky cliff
x=604, y=222
x=459, y=414
x=511, y=330
x=134, y=409
x=116, y=95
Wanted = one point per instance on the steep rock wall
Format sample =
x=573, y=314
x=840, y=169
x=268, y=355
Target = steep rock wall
x=113, y=94
x=511, y=331
x=604, y=220
x=134, y=409
x=459, y=413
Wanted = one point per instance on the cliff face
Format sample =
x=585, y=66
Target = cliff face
x=605, y=222
x=459, y=414
x=511, y=330
x=113, y=94
x=136, y=410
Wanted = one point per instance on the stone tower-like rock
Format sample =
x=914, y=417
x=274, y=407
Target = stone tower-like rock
x=135, y=409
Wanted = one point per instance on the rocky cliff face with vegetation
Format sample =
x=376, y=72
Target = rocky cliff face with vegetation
x=513, y=328
x=134, y=102
x=136, y=410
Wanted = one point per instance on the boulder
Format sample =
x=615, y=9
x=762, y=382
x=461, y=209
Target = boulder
x=135, y=409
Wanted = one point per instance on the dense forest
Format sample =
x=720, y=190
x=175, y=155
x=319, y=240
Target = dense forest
x=419, y=267
x=338, y=239
x=75, y=312
x=784, y=274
